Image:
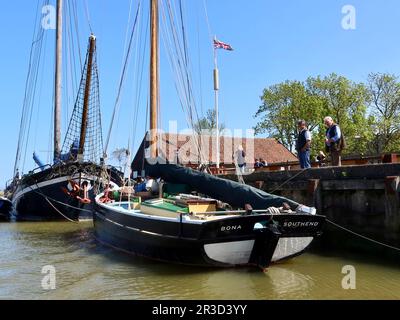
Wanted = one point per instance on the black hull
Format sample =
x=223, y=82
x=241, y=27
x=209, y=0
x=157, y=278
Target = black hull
x=183, y=243
x=5, y=210
x=50, y=203
x=42, y=197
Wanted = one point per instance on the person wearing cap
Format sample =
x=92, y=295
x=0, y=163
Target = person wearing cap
x=303, y=144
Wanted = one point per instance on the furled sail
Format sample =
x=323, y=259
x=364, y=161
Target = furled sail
x=233, y=193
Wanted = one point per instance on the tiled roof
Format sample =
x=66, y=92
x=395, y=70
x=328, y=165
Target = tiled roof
x=269, y=150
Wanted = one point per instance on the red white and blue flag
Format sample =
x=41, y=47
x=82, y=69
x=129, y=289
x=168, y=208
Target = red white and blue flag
x=221, y=45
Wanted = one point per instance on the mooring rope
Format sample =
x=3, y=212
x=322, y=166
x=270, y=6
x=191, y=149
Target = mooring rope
x=56, y=201
x=49, y=199
x=288, y=180
x=335, y=224
x=361, y=236
x=64, y=216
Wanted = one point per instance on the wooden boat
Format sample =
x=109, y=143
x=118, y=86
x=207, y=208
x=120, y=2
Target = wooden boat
x=60, y=192
x=5, y=209
x=219, y=224
x=65, y=188
x=195, y=230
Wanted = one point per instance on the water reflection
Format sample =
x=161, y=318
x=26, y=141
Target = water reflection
x=88, y=270
x=289, y=284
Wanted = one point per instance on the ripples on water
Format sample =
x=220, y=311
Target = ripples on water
x=88, y=270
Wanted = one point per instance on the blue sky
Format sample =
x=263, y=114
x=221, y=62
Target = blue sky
x=273, y=41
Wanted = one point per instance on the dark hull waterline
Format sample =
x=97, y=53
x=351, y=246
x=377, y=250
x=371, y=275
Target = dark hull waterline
x=5, y=209
x=42, y=196
x=50, y=203
x=208, y=244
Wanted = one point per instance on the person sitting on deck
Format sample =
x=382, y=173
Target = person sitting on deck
x=257, y=164
x=140, y=185
x=264, y=163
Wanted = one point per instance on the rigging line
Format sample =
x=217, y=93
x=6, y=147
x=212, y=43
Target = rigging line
x=140, y=81
x=74, y=8
x=210, y=34
x=147, y=128
x=177, y=66
x=33, y=91
x=73, y=65
x=188, y=72
x=135, y=85
x=73, y=125
x=123, y=58
x=50, y=141
x=186, y=58
x=88, y=16
x=127, y=31
x=26, y=94
x=361, y=236
x=199, y=66
x=67, y=63
x=122, y=79
x=40, y=91
x=288, y=180
x=185, y=72
x=173, y=63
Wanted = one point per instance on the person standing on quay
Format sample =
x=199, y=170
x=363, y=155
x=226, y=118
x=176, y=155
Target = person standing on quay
x=303, y=145
x=334, y=141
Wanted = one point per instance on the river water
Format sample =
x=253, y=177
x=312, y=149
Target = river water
x=87, y=270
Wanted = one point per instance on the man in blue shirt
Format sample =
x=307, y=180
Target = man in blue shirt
x=303, y=145
x=333, y=141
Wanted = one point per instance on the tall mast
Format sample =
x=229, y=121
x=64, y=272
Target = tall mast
x=216, y=101
x=58, y=82
x=86, y=100
x=154, y=81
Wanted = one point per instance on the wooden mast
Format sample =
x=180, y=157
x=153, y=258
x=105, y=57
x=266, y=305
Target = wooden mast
x=58, y=81
x=86, y=101
x=154, y=81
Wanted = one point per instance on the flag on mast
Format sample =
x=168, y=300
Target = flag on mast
x=221, y=45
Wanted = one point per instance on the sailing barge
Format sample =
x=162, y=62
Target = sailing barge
x=251, y=228
x=214, y=223
x=66, y=188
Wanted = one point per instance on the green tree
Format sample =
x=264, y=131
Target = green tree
x=336, y=96
x=283, y=105
x=346, y=102
x=384, y=90
x=208, y=123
